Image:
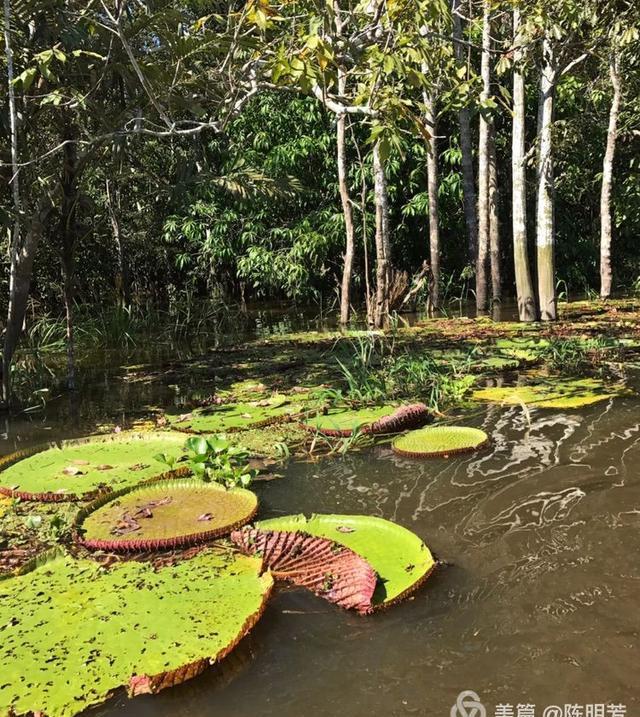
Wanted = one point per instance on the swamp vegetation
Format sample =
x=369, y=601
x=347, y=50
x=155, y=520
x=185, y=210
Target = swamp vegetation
x=315, y=306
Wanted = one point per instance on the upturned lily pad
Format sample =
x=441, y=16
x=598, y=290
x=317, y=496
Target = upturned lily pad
x=236, y=416
x=343, y=422
x=560, y=393
x=328, y=569
x=398, y=556
x=83, y=467
x=72, y=632
x=166, y=514
x=440, y=441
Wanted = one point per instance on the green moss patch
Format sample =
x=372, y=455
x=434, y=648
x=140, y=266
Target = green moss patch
x=71, y=631
x=559, y=394
x=398, y=556
x=80, y=468
x=439, y=441
x=167, y=514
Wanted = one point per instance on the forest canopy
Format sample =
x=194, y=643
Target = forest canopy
x=157, y=155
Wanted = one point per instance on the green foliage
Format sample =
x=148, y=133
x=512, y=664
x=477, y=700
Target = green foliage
x=215, y=458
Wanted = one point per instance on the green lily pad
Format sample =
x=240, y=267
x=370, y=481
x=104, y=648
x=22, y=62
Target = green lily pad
x=80, y=468
x=561, y=393
x=342, y=422
x=235, y=416
x=399, y=557
x=72, y=632
x=439, y=441
x=166, y=514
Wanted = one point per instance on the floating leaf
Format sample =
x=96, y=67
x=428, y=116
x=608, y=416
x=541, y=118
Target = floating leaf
x=232, y=417
x=166, y=514
x=439, y=441
x=71, y=631
x=398, y=556
x=38, y=473
x=329, y=569
x=560, y=393
x=339, y=422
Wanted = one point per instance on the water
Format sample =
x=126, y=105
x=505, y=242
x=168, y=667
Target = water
x=538, y=604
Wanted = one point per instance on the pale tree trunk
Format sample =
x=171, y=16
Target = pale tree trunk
x=68, y=235
x=607, y=181
x=432, y=181
x=343, y=183
x=15, y=187
x=524, y=286
x=347, y=210
x=483, y=165
x=494, y=223
x=466, y=148
x=545, y=222
x=383, y=249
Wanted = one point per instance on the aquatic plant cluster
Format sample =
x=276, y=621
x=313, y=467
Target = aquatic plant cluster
x=162, y=575
x=162, y=561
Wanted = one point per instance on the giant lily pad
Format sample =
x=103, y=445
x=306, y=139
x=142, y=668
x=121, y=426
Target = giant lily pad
x=165, y=514
x=342, y=422
x=559, y=393
x=80, y=468
x=71, y=631
x=401, y=560
x=329, y=569
x=439, y=441
x=236, y=416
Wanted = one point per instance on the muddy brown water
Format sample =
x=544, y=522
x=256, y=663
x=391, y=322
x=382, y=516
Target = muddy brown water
x=538, y=605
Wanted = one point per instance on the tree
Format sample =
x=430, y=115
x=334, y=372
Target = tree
x=484, y=147
x=466, y=144
x=524, y=286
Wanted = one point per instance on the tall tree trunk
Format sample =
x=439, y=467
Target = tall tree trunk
x=68, y=235
x=15, y=187
x=123, y=284
x=483, y=165
x=524, y=286
x=22, y=256
x=545, y=222
x=466, y=147
x=383, y=248
x=607, y=180
x=494, y=223
x=432, y=181
x=343, y=183
x=347, y=210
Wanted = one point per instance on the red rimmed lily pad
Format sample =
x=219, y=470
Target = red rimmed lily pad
x=164, y=515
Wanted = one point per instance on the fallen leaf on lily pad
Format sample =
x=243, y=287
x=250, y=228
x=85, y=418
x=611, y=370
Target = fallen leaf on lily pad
x=73, y=471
